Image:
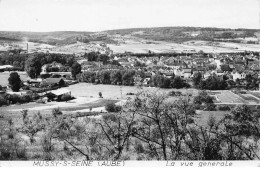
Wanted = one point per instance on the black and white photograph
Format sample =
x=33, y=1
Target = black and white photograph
x=111, y=83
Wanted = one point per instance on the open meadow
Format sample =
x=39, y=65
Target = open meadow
x=113, y=91
x=169, y=47
x=87, y=95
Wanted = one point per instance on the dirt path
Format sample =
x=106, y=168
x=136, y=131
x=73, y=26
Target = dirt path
x=72, y=103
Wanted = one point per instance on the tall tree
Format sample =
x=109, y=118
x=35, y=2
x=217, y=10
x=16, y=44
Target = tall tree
x=197, y=77
x=33, y=66
x=116, y=77
x=15, y=81
x=178, y=82
x=75, y=69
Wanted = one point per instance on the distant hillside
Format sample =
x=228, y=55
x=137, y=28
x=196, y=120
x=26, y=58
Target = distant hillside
x=8, y=39
x=53, y=38
x=182, y=34
x=172, y=34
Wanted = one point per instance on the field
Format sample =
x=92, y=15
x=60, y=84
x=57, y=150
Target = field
x=196, y=46
x=87, y=96
x=228, y=97
x=250, y=98
x=136, y=46
x=114, y=92
x=96, y=104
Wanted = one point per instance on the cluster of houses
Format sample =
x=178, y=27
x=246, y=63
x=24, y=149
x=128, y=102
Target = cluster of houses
x=234, y=66
x=51, y=79
x=51, y=82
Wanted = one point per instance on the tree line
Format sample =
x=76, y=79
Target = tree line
x=96, y=56
x=114, y=77
x=130, y=77
x=14, y=58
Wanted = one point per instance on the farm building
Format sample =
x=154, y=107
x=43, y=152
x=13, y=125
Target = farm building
x=33, y=82
x=4, y=67
x=60, y=92
x=55, y=81
x=17, y=93
x=187, y=72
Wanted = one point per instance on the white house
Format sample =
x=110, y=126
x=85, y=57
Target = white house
x=207, y=75
x=237, y=75
x=17, y=93
x=44, y=69
x=186, y=72
x=219, y=63
x=59, y=92
x=146, y=81
x=5, y=66
x=217, y=72
x=243, y=75
x=178, y=72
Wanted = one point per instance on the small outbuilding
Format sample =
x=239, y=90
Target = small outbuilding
x=55, y=82
x=59, y=92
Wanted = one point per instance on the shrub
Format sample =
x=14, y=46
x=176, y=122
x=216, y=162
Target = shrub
x=139, y=148
x=175, y=93
x=26, y=88
x=112, y=107
x=40, y=101
x=35, y=96
x=211, y=121
x=210, y=107
x=223, y=108
x=65, y=97
x=187, y=85
x=242, y=92
x=32, y=125
x=6, y=151
x=12, y=147
x=56, y=111
x=178, y=83
x=197, y=106
x=14, y=98
x=25, y=99
x=47, y=146
x=21, y=153
x=3, y=101
x=50, y=96
x=100, y=94
x=203, y=98
x=24, y=114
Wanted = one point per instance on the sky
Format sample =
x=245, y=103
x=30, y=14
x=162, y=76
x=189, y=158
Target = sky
x=99, y=15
